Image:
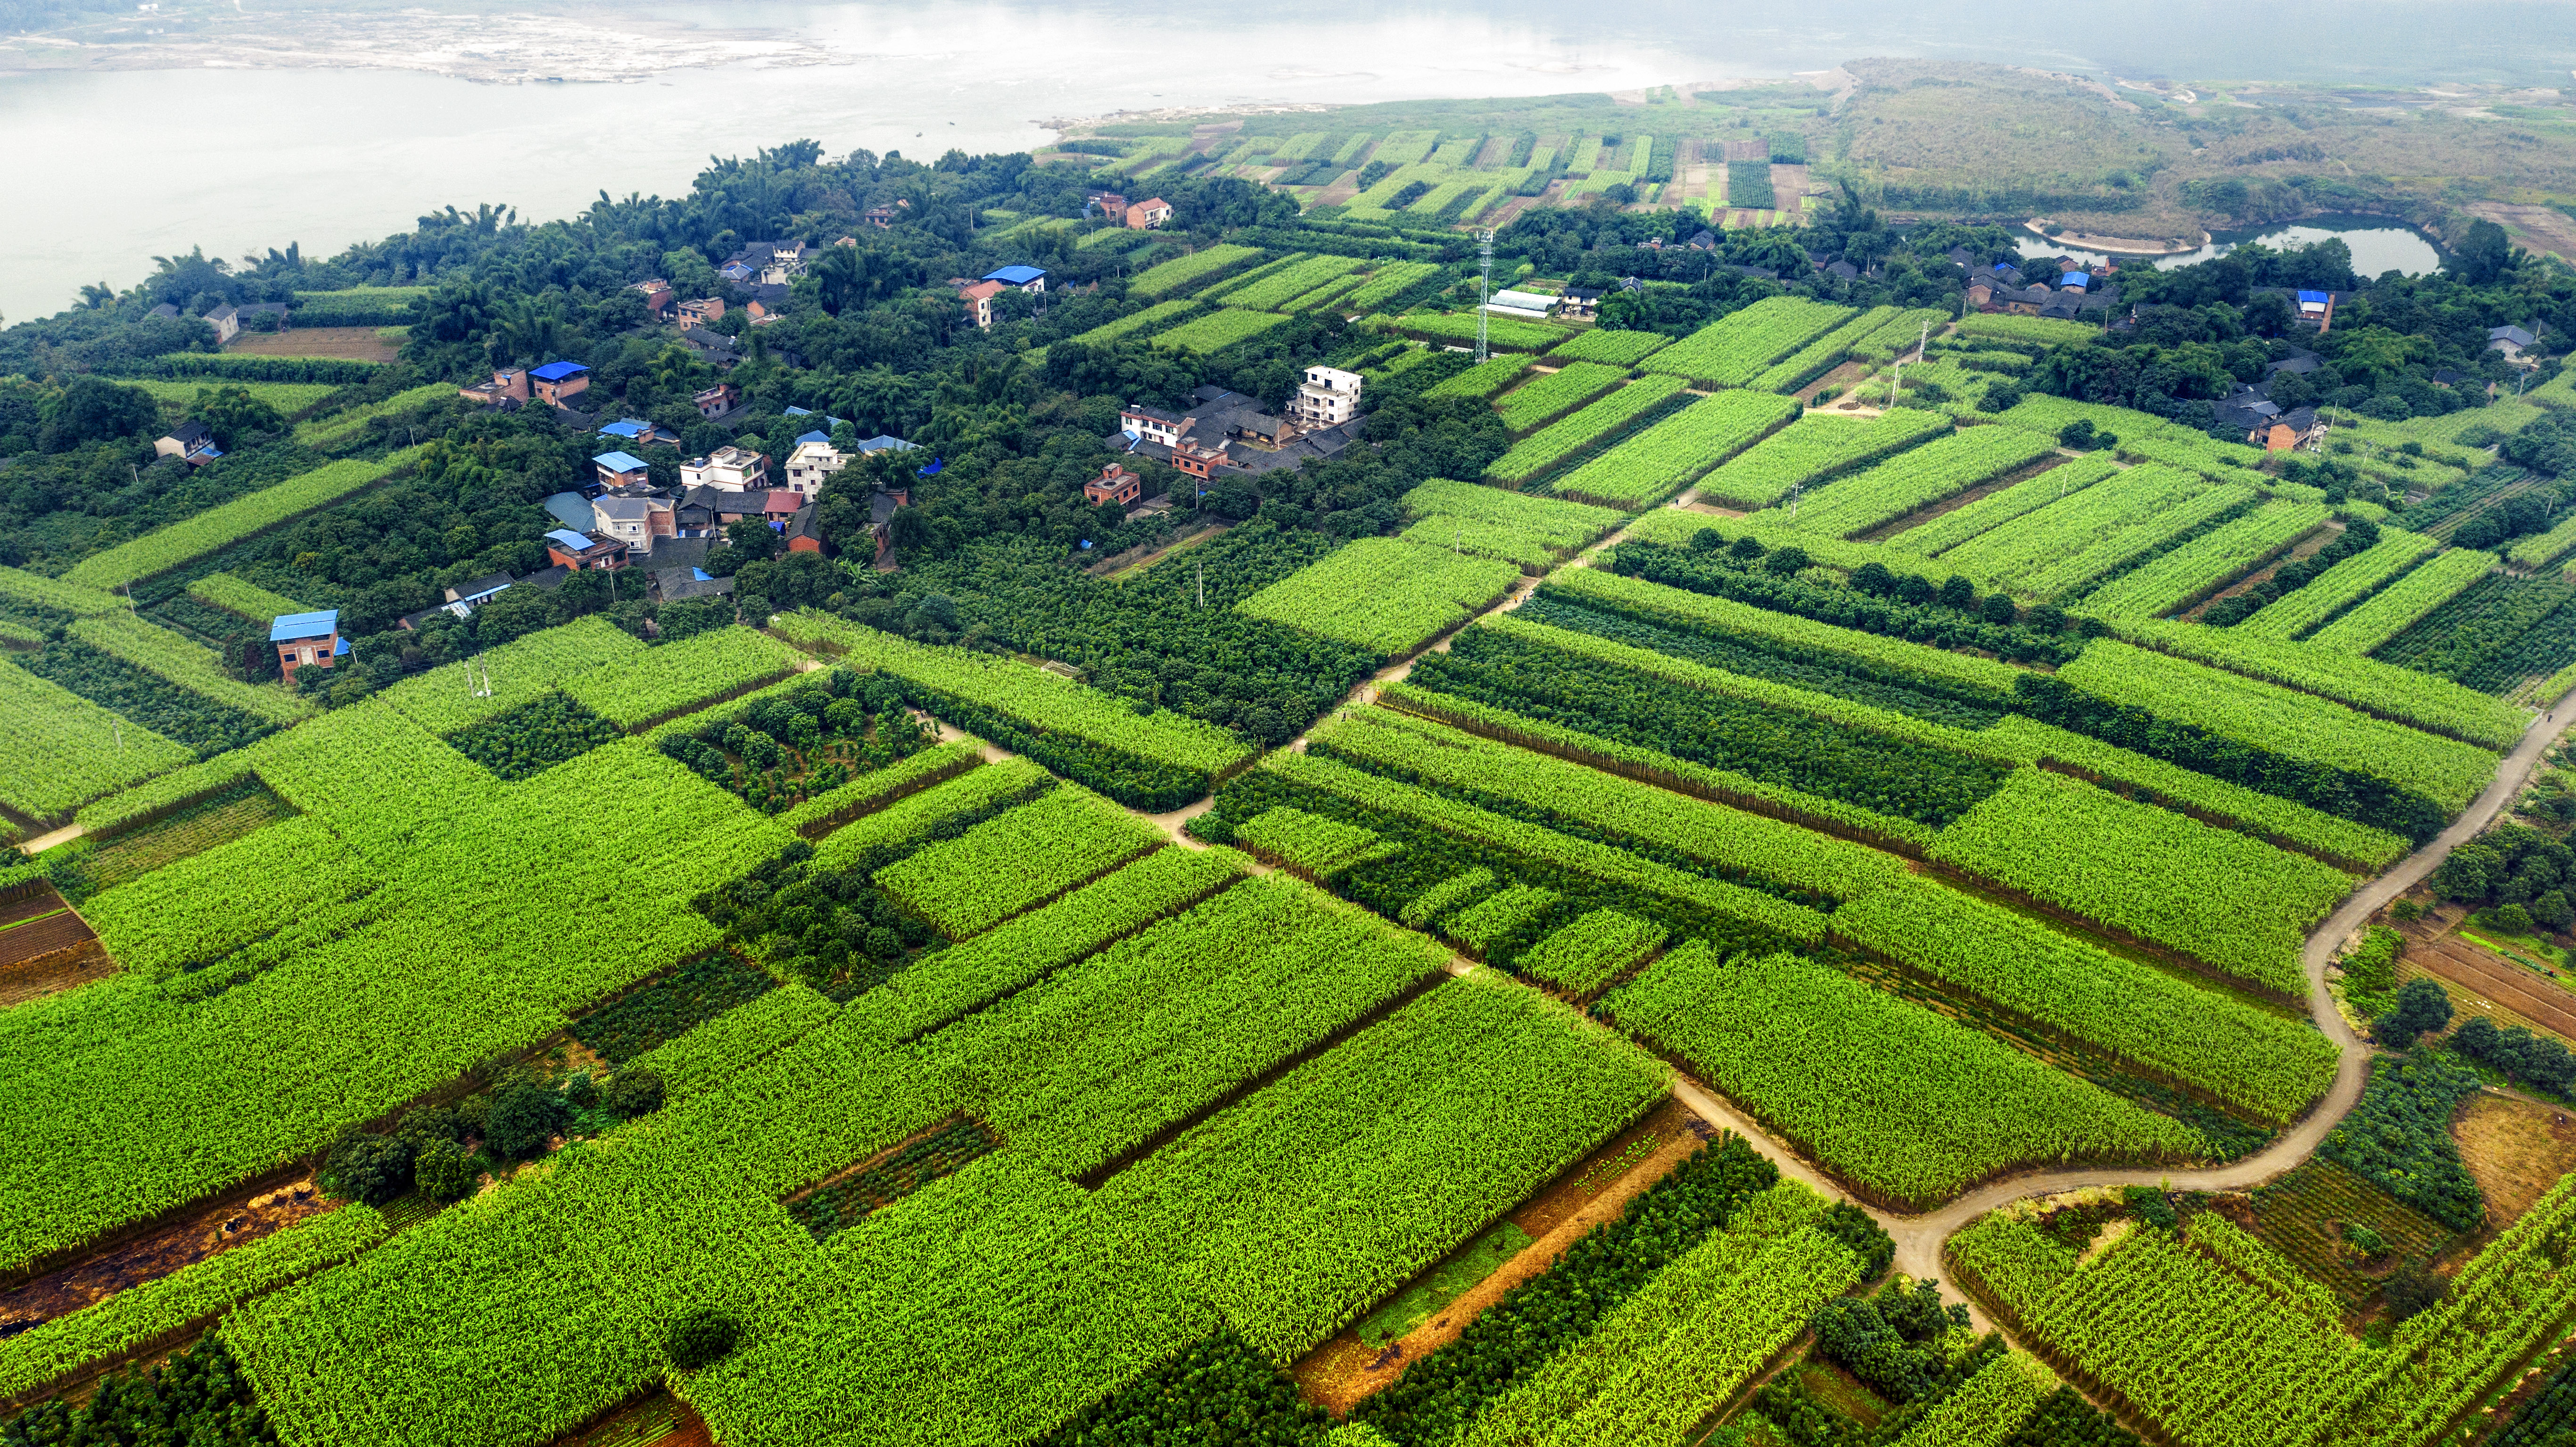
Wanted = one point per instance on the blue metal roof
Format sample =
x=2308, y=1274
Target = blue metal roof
x=701, y=575
x=2075, y=279
x=557, y=371
x=571, y=509
x=290, y=627
x=882, y=441
x=627, y=428
x=822, y=437
x=621, y=462
x=340, y=649
x=2319, y=297
x=568, y=538
x=1015, y=275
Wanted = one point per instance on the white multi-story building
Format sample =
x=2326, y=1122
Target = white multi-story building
x=1328, y=397
x=734, y=469
x=810, y=464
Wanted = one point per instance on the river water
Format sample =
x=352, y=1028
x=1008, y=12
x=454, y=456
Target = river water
x=113, y=167
x=2378, y=245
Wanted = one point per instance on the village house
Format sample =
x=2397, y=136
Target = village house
x=227, y=323
x=768, y=304
x=735, y=469
x=190, y=442
x=879, y=217
x=1115, y=484
x=1582, y=301
x=307, y=639
x=621, y=469
x=979, y=301
x=813, y=461
x=508, y=384
x=1111, y=204
x=680, y=585
x=1327, y=397
x=2512, y=341
x=639, y=432
x=658, y=297
x=579, y=552
x=556, y=381
x=1030, y=279
x=1149, y=215
x=637, y=520
x=476, y=592
x=702, y=312
x=804, y=533
x=717, y=400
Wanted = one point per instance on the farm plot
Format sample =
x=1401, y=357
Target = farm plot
x=1615, y=349
x=1483, y=379
x=1547, y=397
x=451, y=697
x=1513, y=333
x=1665, y=458
x=2033, y=334
x=2382, y=690
x=678, y=677
x=2061, y=529
x=1020, y=858
x=1218, y=330
x=1532, y=532
x=1549, y=446
x=2069, y=576
x=1815, y=447
x=61, y=750
x=2238, y=904
x=1383, y=594
x=1941, y=468
x=2264, y=1064
x=197, y=669
x=2207, y=563
x=289, y=398
x=1901, y=334
x=2338, y=587
x=1152, y=317
x=2402, y=604
x=1824, y=353
x=1183, y=274
x=162, y=549
x=1733, y=351
x=1918, y=1108
x=244, y=599
x=1273, y=290
x=55, y=595
x=348, y=422
x=1390, y=282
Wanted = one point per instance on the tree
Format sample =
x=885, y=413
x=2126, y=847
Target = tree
x=2484, y=254
x=632, y=1092
x=370, y=1169
x=700, y=1338
x=2422, y=1007
x=93, y=409
x=232, y=413
x=445, y=1171
x=523, y=1118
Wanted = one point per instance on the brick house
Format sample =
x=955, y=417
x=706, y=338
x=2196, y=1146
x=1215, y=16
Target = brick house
x=507, y=384
x=556, y=381
x=307, y=639
x=979, y=301
x=1114, y=484
x=579, y=551
x=1148, y=215
x=717, y=400
x=621, y=469
x=700, y=312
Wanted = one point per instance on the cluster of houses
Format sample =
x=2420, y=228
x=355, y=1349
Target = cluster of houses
x=1146, y=215
x=978, y=295
x=2061, y=288
x=1227, y=434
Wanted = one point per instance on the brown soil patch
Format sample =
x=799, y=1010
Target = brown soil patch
x=2517, y=1149
x=2305, y=547
x=184, y=1243
x=1841, y=378
x=65, y=969
x=1788, y=183
x=36, y=938
x=2534, y=1000
x=657, y=1416
x=2542, y=228
x=42, y=901
x=1336, y=1375
x=354, y=344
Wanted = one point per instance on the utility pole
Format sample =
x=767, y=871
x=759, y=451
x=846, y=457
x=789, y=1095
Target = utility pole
x=1795, y=489
x=1923, y=343
x=1484, y=289
x=1202, y=565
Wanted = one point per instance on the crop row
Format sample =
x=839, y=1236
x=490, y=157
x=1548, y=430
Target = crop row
x=1941, y=468
x=1391, y=282
x=289, y=398
x=1617, y=349
x=715, y=1051
x=55, y=595
x=2436, y=705
x=1542, y=849
x=1275, y=285
x=1184, y=273
x=1483, y=1086
x=1551, y=445
x=196, y=910
x=1382, y=594
x=1824, y=353
x=1658, y=1363
x=1811, y=449
x=973, y=973
x=1917, y=1106
x=453, y=696
x=1522, y=782
x=1023, y=857
x=237, y=596
x=877, y=788
x=2076, y=571
x=895, y=831
x=59, y=750
x=1076, y=1076
x=2036, y=334
x=1734, y=350
x=1324, y=295
x=1936, y=536
x=191, y=666
x=2397, y=607
x=217, y=527
x=1551, y=395
x=1501, y=331
x=1591, y=952
x=1989, y=1408
x=2238, y=904
x=1665, y=458
x=2207, y=563
x=1485, y=378
x=2294, y=724
x=1218, y=330
x=1163, y=760
x=676, y=677
x=2153, y=780
x=1310, y=844
x=1901, y=334
x=149, y=1311
x=2339, y=587
x=1895, y=660
x=2211, y=459
x=342, y=425
x=1558, y=527
x=1152, y=317
x=2248, y=1256
x=2269, y=1066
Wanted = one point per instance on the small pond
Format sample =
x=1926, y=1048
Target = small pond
x=2378, y=244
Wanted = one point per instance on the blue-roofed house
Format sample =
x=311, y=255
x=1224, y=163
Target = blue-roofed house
x=2509, y=340
x=555, y=381
x=2318, y=307
x=1030, y=279
x=2075, y=280
x=577, y=549
x=621, y=469
x=637, y=432
x=307, y=638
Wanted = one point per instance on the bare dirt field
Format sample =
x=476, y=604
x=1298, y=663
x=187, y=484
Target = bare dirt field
x=353, y=344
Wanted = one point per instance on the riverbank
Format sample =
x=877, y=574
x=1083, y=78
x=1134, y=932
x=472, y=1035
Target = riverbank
x=2112, y=245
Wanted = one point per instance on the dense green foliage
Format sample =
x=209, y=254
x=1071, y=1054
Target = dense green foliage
x=2399, y=1138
